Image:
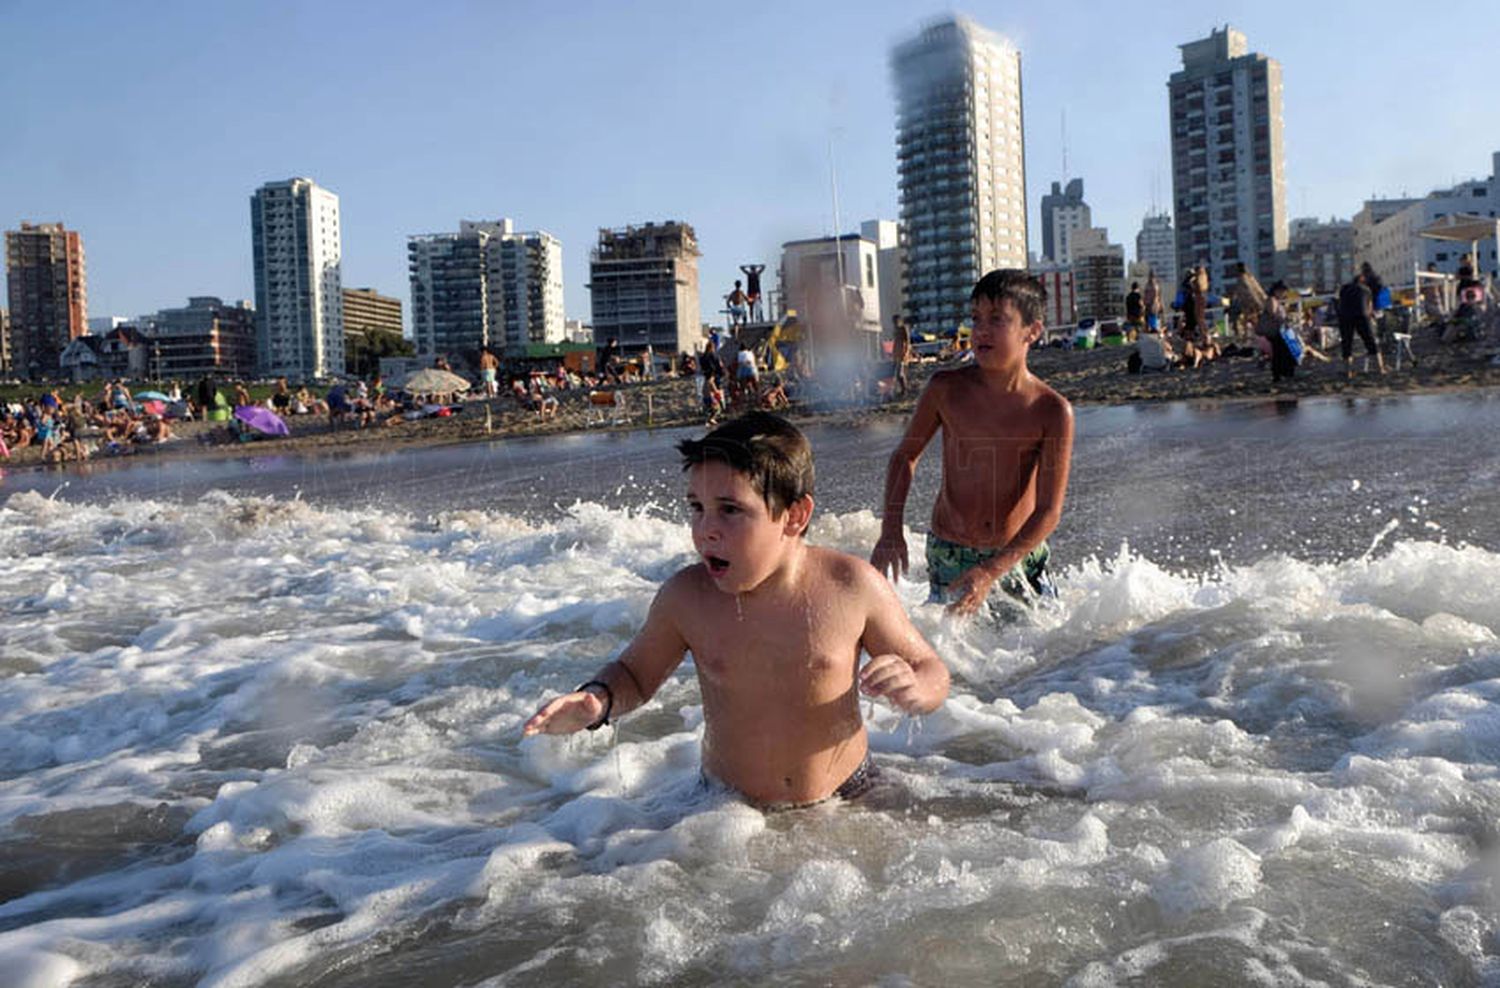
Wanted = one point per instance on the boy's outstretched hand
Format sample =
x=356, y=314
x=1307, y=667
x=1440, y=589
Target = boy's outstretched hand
x=892, y=677
x=565, y=714
x=969, y=591
x=889, y=556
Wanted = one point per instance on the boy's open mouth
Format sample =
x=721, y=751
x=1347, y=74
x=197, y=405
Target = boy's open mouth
x=716, y=565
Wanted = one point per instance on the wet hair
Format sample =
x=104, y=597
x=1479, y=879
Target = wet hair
x=1025, y=291
x=772, y=453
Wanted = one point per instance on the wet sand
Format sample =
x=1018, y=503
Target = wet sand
x=1085, y=377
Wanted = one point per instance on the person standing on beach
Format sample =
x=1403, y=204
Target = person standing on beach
x=1151, y=302
x=1273, y=326
x=1357, y=315
x=1247, y=300
x=1195, y=306
x=1007, y=446
x=1135, y=312
x=900, y=352
x=489, y=370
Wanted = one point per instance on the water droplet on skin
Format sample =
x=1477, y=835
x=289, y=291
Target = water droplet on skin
x=739, y=608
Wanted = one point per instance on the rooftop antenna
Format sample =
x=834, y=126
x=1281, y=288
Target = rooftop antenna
x=838, y=244
x=1065, y=143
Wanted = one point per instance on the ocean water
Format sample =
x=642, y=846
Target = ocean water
x=259, y=725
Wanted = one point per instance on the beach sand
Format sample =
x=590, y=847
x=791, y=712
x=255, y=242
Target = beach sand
x=1085, y=377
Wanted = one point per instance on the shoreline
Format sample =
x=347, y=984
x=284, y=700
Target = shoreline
x=1085, y=377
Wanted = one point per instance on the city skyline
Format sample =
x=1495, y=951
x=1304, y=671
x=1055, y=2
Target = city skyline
x=151, y=147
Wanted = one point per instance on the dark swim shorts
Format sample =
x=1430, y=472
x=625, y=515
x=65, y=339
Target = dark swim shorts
x=947, y=561
x=859, y=782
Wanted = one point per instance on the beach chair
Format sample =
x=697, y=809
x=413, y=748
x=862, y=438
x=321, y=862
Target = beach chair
x=607, y=407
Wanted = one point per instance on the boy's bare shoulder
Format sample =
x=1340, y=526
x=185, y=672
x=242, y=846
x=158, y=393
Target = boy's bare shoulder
x=684, y=588
x=848, y=573
x=947, y=377
x=1049, y=404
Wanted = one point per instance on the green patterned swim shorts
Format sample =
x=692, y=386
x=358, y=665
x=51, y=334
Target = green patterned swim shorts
x=947, y=561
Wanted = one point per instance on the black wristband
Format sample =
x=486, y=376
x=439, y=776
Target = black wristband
x=609, y=702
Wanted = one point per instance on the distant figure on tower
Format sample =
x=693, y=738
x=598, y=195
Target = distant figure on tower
x=739, y=305
x=752, y=289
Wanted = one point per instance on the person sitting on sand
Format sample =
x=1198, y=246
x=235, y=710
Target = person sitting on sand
x=339, y=406
x=774, y=397
x=119, y=428
x=157, y=429
x=1007, y=446
x=781, y=712
x=281, y=401
x=546, y=405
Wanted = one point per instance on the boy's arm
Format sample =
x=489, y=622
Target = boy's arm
x=628, y=681
x=890, y=556
x=970, y=589
x=903, y=667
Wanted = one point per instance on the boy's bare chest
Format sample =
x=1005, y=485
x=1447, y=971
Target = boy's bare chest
x=729, y=645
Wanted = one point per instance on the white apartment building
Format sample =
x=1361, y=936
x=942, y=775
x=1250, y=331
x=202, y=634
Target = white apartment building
x=810, y=279
x=961, y=165
x=1386, y=230
x=1064, y=213
x=299, y=303
x=890, y=267
x=1228, y=160
x=1156, y=247
x=523, y=284
x=485, y=287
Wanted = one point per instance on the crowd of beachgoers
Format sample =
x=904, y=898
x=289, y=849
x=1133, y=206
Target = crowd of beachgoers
x=103, y=419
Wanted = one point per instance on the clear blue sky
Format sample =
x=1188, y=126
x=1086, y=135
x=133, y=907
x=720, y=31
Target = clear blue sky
x=147, y=125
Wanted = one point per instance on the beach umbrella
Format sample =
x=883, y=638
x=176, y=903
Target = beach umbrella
x=430, y=380
x=261, y=420
x=151, y=396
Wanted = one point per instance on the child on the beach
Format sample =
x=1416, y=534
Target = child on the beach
x=775, y=626
x=1007, y=445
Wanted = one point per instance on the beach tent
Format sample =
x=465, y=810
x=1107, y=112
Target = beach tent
x=1461, y=228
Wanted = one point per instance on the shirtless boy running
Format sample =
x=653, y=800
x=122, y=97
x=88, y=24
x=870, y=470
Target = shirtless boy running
x=1007, y=445
x=775, y=627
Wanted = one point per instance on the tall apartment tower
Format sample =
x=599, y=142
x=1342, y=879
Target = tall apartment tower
x=448, y=281
x=523, y=285
x=1156, y=247
x=485, y=287
x=299, y=303
x=1064, y=213
x=1228, y=159
x=643, y=286
x=961, y=166
x=48, y=295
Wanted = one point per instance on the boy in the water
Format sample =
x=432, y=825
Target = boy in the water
x=775, y=626
x=1007, y=446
